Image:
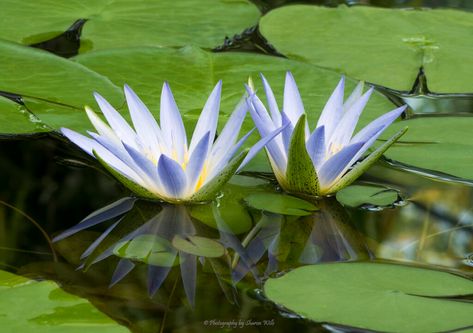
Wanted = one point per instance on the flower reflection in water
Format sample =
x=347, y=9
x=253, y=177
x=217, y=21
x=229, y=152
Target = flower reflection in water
x=291, y=241
x=162, y=237
x=168, y=238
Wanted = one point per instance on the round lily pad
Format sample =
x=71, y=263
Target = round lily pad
x=370, y=196
x=375, y=296
x=198, y=246
x=280, y=204
x=438, y=145
x=15, y=119
x=383, y=46
x=119, y=23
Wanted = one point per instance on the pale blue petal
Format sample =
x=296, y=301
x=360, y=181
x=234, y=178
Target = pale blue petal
x=356, y=93
x=197, y=159
x=171, y=176
x=217, y=164
x=208, y=118
x=260, y=144
x=230, y=132
x=385, y=120
x=368, y=144
x=116, y=121
x=345, y=128
x=273, y=105
x=265, y=126
x=171, y=123
x=287, y=132
x=145, y=124
x=89, y=145
x=260, y=115
x=115, y=148
x=142, y=162
x=293, y=106
x=101, y=127
x=316, y=146
x=334, y=167
x=333, y=110
x=85, y=143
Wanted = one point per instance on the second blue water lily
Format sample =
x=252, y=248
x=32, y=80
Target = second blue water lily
x=323, y=161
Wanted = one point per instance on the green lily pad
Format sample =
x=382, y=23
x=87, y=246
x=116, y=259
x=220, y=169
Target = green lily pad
x=375, y=296
x=198, y=246
x=368, y=195
x=150, y=249
x=280, y=204
x=15, y=119
x=383, y=46
x=443, y=145
x=53, y=88
x=31, y=306
x=120, y=23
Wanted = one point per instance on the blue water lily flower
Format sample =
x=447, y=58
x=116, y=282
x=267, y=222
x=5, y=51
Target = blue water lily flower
x=155, y=160
x=320, y=162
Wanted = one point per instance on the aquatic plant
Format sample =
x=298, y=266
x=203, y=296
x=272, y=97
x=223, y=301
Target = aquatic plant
x=155, y=160
x=318, y=163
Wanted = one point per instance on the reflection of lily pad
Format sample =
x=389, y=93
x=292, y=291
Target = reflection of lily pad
x=441, y=144
x=112, y=23
x=149, y=249
x=368, y=195
x=280, y=204
x=382, y=297
x=30, y=306
x=198, y=246
x=382, y=46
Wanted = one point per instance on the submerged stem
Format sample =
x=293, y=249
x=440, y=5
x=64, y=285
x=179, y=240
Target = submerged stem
x=36, y=224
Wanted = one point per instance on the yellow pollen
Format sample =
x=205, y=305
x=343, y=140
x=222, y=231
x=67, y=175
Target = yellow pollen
x=334, y=148
x=203, y=175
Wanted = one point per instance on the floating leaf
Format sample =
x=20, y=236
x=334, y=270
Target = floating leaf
x=443, y=145
x=280, y=204
x=15, y=119
x=375, y=296
x=370, y=195
x=31, y=306
x=55, y=90
x=198, y=246
x=385, y=46
x=120, y=23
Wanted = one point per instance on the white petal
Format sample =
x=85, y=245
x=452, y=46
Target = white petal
x=172, y=126
x=208, y=118
x=145, y=124
x=116, y=121
x=333, y=110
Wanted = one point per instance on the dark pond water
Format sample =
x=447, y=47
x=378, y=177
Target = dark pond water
x=48, y=187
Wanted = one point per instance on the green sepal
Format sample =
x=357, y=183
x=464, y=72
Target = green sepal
x=364, y=165
x=131, y=185
x=301, y=177
x=210, y=190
